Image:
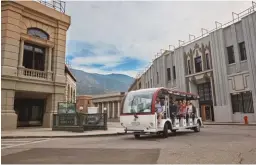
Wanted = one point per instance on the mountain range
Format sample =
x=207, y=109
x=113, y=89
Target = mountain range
x=93, y=83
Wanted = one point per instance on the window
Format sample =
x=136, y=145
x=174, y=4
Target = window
x=139, y=85
x=242, y=49
x=168, y=74
x=38, y=33
x=231, y=56
x=33, y=57
x=148, y=85
x=138, y=102
x=198, y=64
x=205, y=92
x=189, y=67
x=242, y=102
x=151, y=83
x=174, y=72
x=207, y=57
x=157, y=77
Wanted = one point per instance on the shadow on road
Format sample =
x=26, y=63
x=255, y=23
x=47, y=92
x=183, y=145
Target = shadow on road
x=155, y=137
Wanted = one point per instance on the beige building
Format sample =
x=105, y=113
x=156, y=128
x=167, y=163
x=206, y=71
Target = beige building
x=33, y=63
x=70, y=86
x=112, y=103
x=84, y=101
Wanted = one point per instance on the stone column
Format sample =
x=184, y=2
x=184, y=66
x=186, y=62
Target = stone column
x=108, y=110
x=70, y=90
x=113, y=109
x=8, y=115
x=49, y=59
x=103, y=106
x=100, y=107
x=212, y=90
x=21, y=53
x=20, y=66
x=118, y=109
x=49, y=72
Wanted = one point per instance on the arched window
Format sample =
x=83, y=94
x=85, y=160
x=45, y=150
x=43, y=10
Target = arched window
x=38, y=33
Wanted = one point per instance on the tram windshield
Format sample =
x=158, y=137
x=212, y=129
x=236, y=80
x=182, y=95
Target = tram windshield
x=138, y=101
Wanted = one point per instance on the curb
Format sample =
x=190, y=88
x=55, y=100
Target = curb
x=64, y=136
x=230, y=124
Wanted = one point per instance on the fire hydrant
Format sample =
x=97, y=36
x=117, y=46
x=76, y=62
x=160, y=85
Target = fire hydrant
x=246, y=120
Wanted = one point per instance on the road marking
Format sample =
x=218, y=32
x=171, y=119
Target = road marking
x=12, y=141
x=26, y=143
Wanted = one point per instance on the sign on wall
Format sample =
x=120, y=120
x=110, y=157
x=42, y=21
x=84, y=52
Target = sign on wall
x=64, y=107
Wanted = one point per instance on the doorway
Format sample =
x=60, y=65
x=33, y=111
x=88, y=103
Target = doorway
x=30, y=112
x=207, y=112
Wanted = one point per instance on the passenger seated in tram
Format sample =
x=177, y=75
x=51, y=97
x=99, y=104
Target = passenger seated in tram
x=189, y=108
x=193, y=114
x=159, y=110
x=173, y=109
x=183, y=109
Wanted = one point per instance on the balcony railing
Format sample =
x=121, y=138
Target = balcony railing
x=54, y=4
x=36, y=74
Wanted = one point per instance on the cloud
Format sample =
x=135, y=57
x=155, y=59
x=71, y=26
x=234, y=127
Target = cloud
x=108, y=34
x=100, y=58
x=131, y=73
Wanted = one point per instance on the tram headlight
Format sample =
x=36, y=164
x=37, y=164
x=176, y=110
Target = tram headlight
x=151, y=124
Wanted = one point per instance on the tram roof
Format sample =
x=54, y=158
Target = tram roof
x=175, y=92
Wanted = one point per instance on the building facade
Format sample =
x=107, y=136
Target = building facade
x=220, y=67
x=84, y=101
x=70, y=86
x=112, y=103
x=33, y=63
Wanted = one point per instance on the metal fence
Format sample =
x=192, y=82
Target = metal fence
x=54, y=4
x=79, y=122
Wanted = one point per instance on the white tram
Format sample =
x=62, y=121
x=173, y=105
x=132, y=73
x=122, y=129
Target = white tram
x=138, y=112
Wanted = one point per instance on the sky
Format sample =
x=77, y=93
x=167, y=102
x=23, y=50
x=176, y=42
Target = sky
x=124, y=36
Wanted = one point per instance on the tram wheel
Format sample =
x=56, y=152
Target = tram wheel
x=197, y=128
x=137, y=136
x=165, y=132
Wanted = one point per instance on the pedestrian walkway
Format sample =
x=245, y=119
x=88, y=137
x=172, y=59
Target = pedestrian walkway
x=48, y=133
x=9, y=143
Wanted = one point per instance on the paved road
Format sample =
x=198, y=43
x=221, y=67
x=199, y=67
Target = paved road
x=11, y=143
x=214, y=144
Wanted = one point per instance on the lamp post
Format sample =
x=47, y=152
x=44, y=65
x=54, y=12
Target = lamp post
x=81, y=109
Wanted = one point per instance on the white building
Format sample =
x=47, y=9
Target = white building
x=220, y=67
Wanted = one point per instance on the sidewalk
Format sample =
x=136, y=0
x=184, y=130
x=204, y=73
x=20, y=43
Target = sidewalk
x=225, y=123
x=114, y=129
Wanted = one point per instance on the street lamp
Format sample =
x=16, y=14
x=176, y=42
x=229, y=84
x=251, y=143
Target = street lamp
x=81, y=108
x=105, y=109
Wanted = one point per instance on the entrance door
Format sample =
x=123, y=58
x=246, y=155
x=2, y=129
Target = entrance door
x=206, y=111
x=30, y=112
